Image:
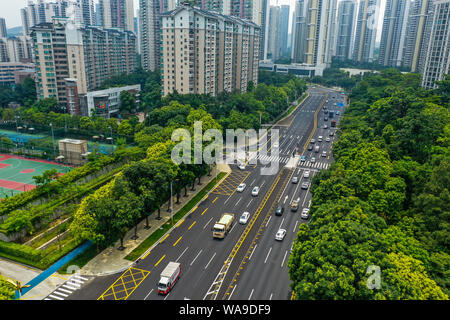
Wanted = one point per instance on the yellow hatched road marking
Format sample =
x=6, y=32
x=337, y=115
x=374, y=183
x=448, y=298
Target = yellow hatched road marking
x=120, y=286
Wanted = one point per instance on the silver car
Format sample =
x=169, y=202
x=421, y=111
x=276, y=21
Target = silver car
x=241, y=187
x=280, y=234
x=255, y=191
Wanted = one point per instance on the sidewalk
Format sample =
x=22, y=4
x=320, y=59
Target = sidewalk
x=111, y=260
x=24, y=274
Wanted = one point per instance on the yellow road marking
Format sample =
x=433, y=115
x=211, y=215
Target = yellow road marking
x=204, y=211
x=215, y=199
x=131, y=272
x=146, y=255
x=177, y=241
x=195, y=208
x=192, y=225
x=162, y=240
x=181, y=222
x=160, y=260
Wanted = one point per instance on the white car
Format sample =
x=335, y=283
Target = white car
x=324, y=153
x=241, y=187
x=276, y=145
x=306, y=174
x=255, y=191
x=244, y=218
x=320, y=139
x=305, y=213
x=241, y=166
x=280, y=235
x=313, y=159
x=327, y=139
x=325, y=126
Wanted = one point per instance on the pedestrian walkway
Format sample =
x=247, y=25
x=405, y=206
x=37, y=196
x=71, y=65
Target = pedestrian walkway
x=270, y=158
x=68, y=287
x=317, y=165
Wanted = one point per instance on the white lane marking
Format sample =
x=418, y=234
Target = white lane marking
x=207, y=223
x=295, y=228
x=238, y=201
x=262, y=183
x=55, y=297
x=285, y=198
x=77, y=281
x=69, y=287
x=281, y=224
x=253, y=182
x=270, y=298
x=268, y=253
x=282, y=263
x=306, y=196
x=196, y=257
x=64, y=290
x=80, y=277
x=181, y=254
x=252, y=252
x=250, y=202
x=234, y=225
x=251, y=293
x=210, y=260
x=268, y=221
x=229, y=298
x=148, y=294
x=73, y=284
x=167, y=296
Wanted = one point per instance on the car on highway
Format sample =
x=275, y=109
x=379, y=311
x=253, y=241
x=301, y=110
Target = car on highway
x=255, y=191
x=241, y=166
x=294, y=180
x=325, y=111
x=337, y=113
x=305, y=185
x=325, y=126
x=244, y=218
x=331, y=133
x=303, y=158
x=320, y=139
x=313, y=159
x=306, y=174
x=313, y=141
x=324, y=153
x=305, y=213
x=279, y=211
x=310, y=147
x=241, y=187
x=325, y=119
x=280, y=234
x=276, y=145
x=327, y=139
x=294, y=205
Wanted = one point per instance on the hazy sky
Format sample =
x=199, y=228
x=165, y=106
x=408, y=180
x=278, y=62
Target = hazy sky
x=10, y=10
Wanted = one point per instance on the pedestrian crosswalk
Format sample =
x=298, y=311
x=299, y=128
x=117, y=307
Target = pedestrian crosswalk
x=317, y=165
x=269, y=158
x=63, y=291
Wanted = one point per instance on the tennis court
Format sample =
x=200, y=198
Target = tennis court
x=16, y=173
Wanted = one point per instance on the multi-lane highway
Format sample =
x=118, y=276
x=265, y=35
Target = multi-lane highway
x=214, y=269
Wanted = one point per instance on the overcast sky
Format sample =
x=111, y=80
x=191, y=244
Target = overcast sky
x=10, y=10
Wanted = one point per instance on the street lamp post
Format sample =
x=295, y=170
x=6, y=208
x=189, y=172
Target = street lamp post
x=53, y=139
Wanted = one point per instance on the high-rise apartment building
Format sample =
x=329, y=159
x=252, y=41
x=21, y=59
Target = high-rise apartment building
x=437, y=56
x=3, y=30
x=74, y=59
x=149, y=19
x=366, y=30
x=15, y=49
x=346, y=22
x=284, y=28
x=207, y=52
x=117, y=14
x=393, y=34
x=274, y=33
x=299, y=31
x=420, y=18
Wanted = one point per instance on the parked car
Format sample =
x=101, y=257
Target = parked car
x=305, y=213
x=244, y=218
x=255, y=191
x=279, y=211
x=241, y=187
x=280, y=234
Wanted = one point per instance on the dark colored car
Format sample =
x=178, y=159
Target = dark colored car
x=279, y=211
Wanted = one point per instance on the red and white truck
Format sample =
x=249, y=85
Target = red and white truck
x=169, y=277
